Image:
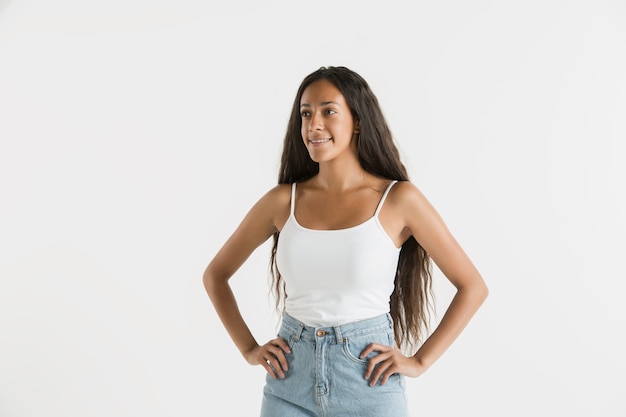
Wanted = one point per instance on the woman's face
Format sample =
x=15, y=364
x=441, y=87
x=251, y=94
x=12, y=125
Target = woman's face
x=327, y=124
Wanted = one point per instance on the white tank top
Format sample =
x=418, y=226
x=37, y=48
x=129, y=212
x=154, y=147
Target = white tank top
x=334, y=277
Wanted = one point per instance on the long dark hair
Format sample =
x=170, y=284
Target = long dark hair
x=410, y=303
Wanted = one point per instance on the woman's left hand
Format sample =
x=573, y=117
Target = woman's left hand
x=388, y=362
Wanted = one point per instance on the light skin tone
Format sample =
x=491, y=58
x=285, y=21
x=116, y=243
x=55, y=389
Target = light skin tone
x=343, y=195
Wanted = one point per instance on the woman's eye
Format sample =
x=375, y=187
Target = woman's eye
x=330, y=111
x=305, y=114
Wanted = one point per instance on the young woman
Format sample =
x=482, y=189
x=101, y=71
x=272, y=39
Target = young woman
x=353, y=241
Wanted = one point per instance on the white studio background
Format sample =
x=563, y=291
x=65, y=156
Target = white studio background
x=135, y=134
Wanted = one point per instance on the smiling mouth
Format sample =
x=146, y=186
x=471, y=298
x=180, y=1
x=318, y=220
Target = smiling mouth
x=319, y=141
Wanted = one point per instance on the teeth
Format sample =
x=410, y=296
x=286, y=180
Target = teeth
x=318, y=140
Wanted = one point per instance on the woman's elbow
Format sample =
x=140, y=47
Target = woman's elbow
x=214, y=281
x=208, y=281
x=482, y=291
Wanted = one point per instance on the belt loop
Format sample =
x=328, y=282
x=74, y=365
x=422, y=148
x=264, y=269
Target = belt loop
x=338, y=336
x=296, y=337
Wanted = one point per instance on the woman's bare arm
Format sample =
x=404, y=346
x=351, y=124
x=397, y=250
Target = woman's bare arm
x=259, y=224
x=421, y=220
x=431, y=232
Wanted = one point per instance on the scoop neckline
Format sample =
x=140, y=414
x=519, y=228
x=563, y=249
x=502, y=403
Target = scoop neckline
x=363, y=223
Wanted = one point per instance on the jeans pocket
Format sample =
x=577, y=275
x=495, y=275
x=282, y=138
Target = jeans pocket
x=288, y=336
x=353, y=346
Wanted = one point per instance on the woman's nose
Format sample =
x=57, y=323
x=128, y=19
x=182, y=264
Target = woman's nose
x=316, y=122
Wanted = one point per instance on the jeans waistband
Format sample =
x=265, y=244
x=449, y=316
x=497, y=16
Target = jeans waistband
x=361, y=327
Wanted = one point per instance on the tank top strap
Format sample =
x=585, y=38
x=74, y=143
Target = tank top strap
x=293, y=198
x=382, y=199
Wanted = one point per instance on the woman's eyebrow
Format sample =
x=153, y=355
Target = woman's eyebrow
x=323, y=103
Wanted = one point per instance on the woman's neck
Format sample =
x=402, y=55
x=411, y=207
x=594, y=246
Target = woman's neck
x=341, y=175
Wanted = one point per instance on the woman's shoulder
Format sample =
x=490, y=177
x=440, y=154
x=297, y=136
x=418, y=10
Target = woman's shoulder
x=278, y=195
x=407, y=194
x=404, y=188
x=272, y=208
x=276, y=200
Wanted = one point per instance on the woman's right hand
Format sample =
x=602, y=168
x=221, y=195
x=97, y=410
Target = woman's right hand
x=271, y=356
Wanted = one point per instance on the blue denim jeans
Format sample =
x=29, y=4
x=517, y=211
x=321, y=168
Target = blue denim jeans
x=326, y=375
